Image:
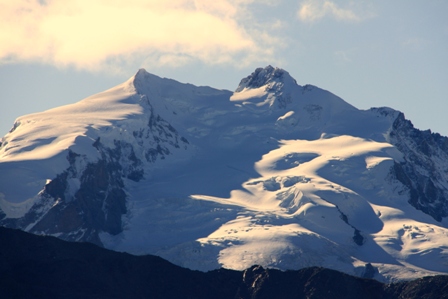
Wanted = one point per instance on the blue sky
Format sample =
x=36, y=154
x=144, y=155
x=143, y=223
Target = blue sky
x=370, y=53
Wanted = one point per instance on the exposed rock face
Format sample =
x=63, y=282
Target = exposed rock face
x=45, y=267
x=97, y=203
x=424, y=170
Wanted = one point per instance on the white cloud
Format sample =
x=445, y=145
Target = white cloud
x=92, y=34
x=342, y=56
x=314, y=10
x=415, y=43
x=345, y=56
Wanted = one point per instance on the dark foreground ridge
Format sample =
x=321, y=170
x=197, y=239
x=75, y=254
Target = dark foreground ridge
x=45, y=267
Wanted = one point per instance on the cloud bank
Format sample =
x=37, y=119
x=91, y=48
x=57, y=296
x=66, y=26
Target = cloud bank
x=92, y=34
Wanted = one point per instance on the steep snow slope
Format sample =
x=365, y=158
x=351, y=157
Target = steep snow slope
x=274, y=174
x=63, y=170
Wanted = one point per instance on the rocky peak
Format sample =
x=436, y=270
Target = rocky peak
x=144, y=82
x=268, y=76
x=142, y=75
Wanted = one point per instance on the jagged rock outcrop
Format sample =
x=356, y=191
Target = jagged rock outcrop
x=424, y=170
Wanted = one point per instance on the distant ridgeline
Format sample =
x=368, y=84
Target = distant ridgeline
x=45, y=267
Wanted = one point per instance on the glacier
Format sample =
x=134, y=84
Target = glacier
x=274, y=174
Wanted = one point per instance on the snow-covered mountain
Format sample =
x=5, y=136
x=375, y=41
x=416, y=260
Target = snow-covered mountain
x=274, y=174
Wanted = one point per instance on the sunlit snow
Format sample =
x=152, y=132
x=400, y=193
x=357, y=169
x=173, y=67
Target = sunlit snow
x=278, y=183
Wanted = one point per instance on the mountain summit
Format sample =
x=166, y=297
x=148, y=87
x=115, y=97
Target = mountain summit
x=274, y=174
x=264, y=76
